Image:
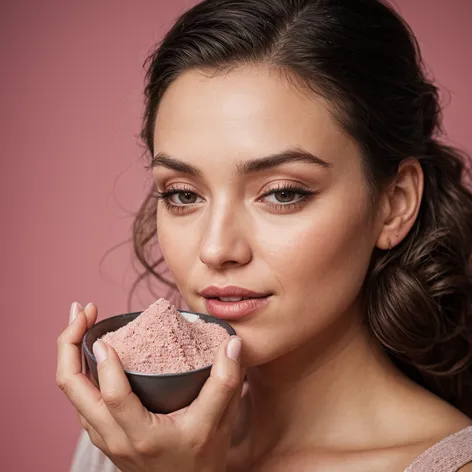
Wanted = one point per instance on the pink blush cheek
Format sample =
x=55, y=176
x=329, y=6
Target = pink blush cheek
x=322, y=254
x=178, y=243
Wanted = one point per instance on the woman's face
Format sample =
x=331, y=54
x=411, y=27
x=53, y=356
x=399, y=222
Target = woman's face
x=295, y=229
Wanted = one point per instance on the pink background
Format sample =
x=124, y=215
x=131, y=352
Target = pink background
x=72, y=175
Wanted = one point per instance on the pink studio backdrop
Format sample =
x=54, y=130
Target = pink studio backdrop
x=72, y=175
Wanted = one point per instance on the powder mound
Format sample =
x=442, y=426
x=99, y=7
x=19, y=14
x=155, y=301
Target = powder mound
x=161, y=341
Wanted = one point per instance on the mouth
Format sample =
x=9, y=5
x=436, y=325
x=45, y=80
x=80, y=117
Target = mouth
x=231, y=299
x=231, y=303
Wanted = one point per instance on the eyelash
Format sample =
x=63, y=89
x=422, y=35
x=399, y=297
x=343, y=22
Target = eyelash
x=165, y=197
x=304, y=193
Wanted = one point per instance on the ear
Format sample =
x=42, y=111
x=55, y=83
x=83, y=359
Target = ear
x=400, y=204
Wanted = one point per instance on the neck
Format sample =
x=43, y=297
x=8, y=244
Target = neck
x=322, y=393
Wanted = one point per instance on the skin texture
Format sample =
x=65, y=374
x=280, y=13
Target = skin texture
x=322, y=394
x=194, y=439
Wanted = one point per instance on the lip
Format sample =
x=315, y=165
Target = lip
x=234, y=310
x=230, y=291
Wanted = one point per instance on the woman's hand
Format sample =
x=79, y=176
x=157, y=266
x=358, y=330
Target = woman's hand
x=194, y=439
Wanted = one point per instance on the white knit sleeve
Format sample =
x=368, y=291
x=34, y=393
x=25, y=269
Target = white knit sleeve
x=88, y=458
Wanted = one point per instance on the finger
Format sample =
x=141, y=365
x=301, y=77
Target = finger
x=96, y=439
x=229, y=416
x=91, y=312
x=88, y=402
x=83, y=395
x=84, y=423
x=118, y=445
x=245, y=389
x=122, y=403
x=75, y=308
x=69, y=360
x=205, y=413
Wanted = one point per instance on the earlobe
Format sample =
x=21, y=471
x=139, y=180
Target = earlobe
x=387, y=242
x=402, y=201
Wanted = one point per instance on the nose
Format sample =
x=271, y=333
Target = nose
x=225, y=241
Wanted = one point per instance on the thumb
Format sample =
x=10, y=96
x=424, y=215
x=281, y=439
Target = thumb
x=225, y=380
x=232, y=410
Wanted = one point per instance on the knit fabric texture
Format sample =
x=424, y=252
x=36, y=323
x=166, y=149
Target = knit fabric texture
x=448, y=455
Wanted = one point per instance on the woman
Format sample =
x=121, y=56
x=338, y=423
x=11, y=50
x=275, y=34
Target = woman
x=298, y=170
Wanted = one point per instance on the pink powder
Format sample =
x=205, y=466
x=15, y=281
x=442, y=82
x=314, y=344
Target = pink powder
x=161, y=341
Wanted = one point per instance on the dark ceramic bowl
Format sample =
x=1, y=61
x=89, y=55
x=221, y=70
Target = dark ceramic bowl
x=159, y=393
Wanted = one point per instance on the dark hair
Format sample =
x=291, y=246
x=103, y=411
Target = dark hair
x=364, y=59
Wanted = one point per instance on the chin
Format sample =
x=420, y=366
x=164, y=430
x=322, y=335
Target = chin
x=260, y=349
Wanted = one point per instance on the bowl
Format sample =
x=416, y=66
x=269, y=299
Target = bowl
x=159, y=393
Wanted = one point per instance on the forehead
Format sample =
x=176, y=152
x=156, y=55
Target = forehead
x=250, y=111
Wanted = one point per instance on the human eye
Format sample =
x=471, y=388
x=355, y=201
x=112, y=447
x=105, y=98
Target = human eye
x=287, y=196
x=179, y=199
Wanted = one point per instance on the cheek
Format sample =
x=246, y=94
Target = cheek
x=175, y=247
x=319, y=262
x=325, y=254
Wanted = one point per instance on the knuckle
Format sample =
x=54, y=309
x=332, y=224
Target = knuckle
x=60, y=338
x=229, y=383
x=84, y=423
x=145, y=448
x=64, y=383
x=112, y=399
x=95, y=439
x=117, y=449
x=196, y=442
x=86, y=426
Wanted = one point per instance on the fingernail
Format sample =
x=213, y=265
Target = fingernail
x=99, y=351
x=74, y=311
x=233, y=349
x=88, y=306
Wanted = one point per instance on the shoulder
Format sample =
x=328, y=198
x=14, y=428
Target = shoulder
x=434, y=420
x=433, y=433
x=452, y=452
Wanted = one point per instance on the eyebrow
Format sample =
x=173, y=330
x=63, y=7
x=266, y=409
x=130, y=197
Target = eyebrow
x=163, y=159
